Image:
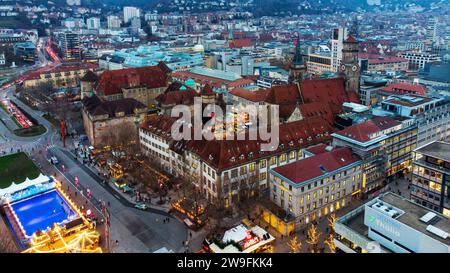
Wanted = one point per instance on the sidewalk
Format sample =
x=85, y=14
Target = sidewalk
x=165, y=207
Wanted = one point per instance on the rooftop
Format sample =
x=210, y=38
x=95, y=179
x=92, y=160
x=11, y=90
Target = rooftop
x=405, y=88
x=318, y=165
x=437, y=149
x=413, y=213
x=369, y=130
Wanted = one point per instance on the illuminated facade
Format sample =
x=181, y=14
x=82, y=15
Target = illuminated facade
x=385, y=144
x=311, y=188
x=431, y=177
x=391, y=223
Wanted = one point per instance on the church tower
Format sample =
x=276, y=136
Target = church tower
x=350, y=69
x=297, y=69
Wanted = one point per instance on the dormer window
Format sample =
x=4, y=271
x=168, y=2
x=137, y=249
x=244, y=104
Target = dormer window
x=232, y=159
x=211, y=157
x=241, y=157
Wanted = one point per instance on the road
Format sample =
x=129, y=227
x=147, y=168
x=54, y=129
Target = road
x=136, y=230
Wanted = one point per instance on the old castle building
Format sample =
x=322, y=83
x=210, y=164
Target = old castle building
x=143, y=84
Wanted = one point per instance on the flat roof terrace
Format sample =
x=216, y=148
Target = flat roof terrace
x=438, y=149
x=413, y=213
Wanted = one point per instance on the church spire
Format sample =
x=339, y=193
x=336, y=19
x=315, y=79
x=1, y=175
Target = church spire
x=298, y=60
x=297, y=70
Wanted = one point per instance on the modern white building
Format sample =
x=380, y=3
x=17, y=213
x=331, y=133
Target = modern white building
x=391, y=223
x=113, y=22
x=432, y=115
x=337, y=44
x=417, y=60
x=93, y=23
x=129, y=13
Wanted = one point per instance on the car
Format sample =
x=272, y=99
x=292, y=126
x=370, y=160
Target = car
x=53, y=160
x=141, y=206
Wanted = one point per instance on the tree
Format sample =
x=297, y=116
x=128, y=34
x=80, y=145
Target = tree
x=331, y=222
x=329, y=242
x=294, y=245
x=313, y=239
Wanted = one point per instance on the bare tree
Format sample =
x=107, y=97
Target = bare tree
x=313, y=239
x=329, y=242
x=294, y=245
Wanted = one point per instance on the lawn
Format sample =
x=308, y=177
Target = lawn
x=16, y=167
x=32, y=131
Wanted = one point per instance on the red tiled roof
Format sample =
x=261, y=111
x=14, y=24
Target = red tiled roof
x=240, y=43
x=176, y=96
x=318, y=149
x=112, y=81
x=318, y=165
x=95, y=106
x=254, y=96
x=378, y=58
x=331, y=91
x=351, y=39
x=226, y=154
x=364, y=132
x=207, y=91
x=405, y=88
x=60, y=68
x=314, y=109
x=286, y=96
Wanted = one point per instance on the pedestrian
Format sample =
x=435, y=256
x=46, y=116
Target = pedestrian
x=190, y=234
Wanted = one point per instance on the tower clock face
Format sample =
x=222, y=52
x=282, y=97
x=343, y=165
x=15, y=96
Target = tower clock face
x=343, y=67
x=354, y=68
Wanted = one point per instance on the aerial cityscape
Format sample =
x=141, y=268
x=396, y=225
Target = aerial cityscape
x=225, y=126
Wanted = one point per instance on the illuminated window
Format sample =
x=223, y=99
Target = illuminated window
x=435, y=186
x=252, y=167
x=292, y=155
x=301, y=200
x=262, y=176
x=262, y=163
x=283, y=158
x=273, y=160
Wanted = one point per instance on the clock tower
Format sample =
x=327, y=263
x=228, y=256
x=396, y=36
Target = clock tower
x=349, y=68
x=297, y=70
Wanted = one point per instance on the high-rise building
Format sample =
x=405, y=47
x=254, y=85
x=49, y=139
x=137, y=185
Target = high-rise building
x=430, y=181
x=73, y=2
x=130, y=12
x=113, y=22
x=93, y=23
x=432, y=30
x=337, y=44
x=70, y=45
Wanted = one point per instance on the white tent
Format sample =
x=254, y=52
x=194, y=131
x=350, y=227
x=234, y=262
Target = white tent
x=21, y=186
